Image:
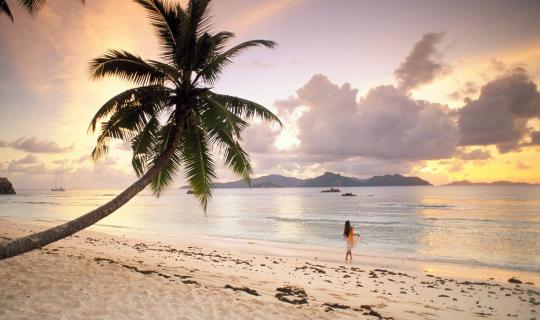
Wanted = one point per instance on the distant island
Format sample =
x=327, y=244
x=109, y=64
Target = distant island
x=495, y=183
x=329, y=179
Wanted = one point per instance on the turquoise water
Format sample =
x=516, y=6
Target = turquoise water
x=496, y=226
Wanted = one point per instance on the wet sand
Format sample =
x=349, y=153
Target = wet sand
x=103, y=276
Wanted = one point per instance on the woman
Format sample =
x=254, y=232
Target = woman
x=348, y=235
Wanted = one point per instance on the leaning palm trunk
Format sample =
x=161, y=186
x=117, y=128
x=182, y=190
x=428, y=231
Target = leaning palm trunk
x=41, y=239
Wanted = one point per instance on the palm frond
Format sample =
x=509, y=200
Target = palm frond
x=197, y=161
x=199, y=21
x=224, y=130
x=195, y=26
x=32, y=6
x=233, y=155
x=142, y=146
x=152, y=97
x=217, y=115
x=236, y=158
x=221, y=39
x=169, y=169
x=4, y=9
x=124, y=125
x=211, y=71
x=126, y=66
x=173, y=74
x=167, y=20
x=208, y=48
x=245, y=108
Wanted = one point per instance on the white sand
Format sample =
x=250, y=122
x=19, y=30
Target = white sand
x=94, y=275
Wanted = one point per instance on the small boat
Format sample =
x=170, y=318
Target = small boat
x=348, y=194
x=331, y=190
x=58, y=184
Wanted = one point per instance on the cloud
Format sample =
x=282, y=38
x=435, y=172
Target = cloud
x=476, y=154
x=259, y=138
x=521, y=166
x=257, y=63
x=388, y=131
x=535, y=138
x=27, y=165
x=35, y=145
x=103, y=176
x=308, y=166
x=83, y=158
x=500, y=115
x=468, y=89
x=385, y=124
x=30, y=172
x=423, y=64
x=26, y=160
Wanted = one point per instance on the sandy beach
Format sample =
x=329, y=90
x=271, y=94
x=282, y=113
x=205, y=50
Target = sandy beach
x=103, y=276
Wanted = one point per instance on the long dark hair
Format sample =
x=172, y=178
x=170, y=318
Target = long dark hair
x=347, y=229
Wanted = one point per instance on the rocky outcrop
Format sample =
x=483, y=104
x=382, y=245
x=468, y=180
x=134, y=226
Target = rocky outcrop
x=6, y=187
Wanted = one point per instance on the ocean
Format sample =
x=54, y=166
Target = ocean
x=489, y=226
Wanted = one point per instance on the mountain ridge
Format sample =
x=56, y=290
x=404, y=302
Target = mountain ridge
x=328, y=179
x=494, y=183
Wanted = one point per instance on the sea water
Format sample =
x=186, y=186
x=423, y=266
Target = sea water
x=494, y=226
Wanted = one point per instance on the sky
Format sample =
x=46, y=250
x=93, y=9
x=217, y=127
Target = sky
x=441, y=90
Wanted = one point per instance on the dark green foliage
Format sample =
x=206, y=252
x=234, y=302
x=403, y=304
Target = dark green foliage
x=173, y=94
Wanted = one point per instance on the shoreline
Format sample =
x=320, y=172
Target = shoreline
x=175, y=278
x=322, y=253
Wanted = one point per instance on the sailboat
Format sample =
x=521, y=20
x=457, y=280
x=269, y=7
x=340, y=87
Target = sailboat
x=56, y=186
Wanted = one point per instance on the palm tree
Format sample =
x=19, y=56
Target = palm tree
x=173, y=119
x=31, y=6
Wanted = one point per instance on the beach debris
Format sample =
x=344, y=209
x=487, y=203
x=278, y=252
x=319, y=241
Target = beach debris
x=372, y=275
x=99, y=259
x=515, y=280
x=332, y=306
x=138, y=270
x=469, y=283
x=306, y=267
x=367, y=310
x=245, y=289
x=289, y=293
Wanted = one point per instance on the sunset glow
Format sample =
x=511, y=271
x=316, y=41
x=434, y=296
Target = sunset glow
x=47, y=96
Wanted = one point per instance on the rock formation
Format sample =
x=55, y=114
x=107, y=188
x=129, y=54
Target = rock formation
x=6, y=187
